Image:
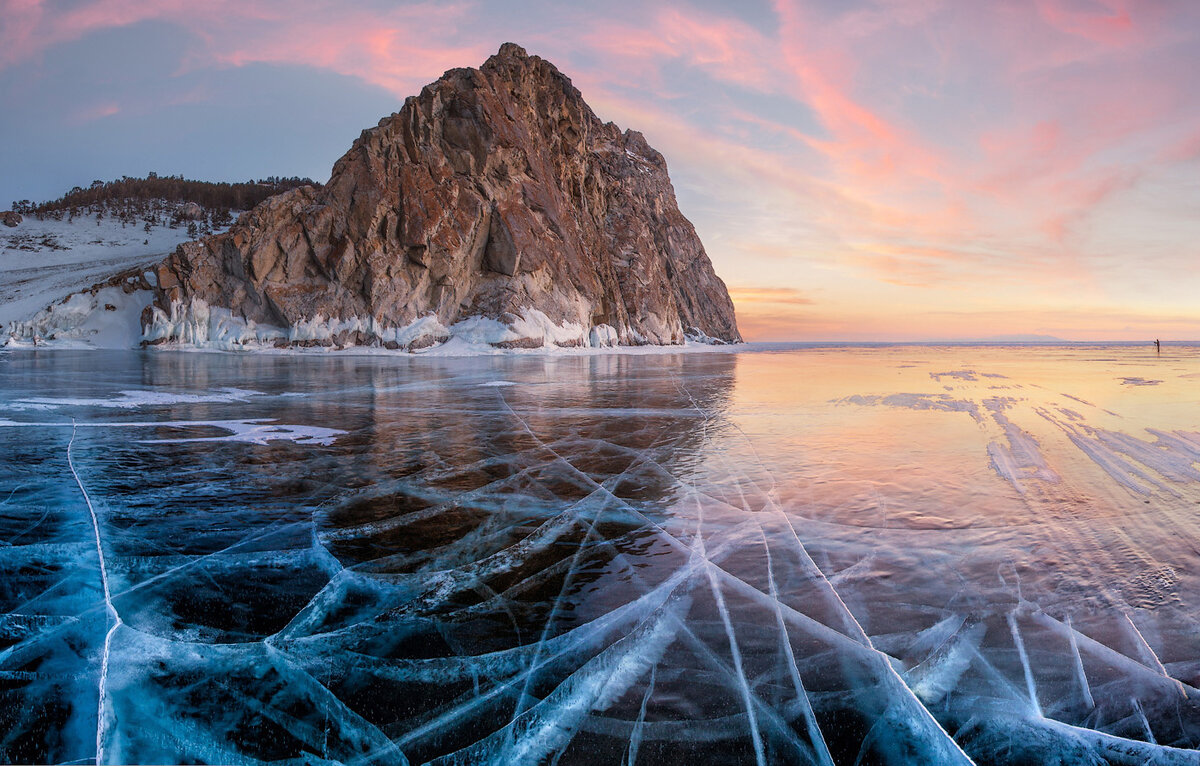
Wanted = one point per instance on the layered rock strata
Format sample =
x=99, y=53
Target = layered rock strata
x=496, y=194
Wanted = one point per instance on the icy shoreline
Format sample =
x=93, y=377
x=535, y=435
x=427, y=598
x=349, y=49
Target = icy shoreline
x=84, y=285
x=110, y=318
x=456, y=347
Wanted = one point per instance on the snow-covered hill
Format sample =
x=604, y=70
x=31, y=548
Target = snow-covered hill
x=44, y=262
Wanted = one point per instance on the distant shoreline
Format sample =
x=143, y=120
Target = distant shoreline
x=473, y=350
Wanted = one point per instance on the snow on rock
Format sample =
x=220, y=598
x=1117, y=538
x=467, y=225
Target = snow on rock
x=603, y=336
x=696, y=335
x=81, y=285
x=106, y=318
x=199, y=325
x=57, y=281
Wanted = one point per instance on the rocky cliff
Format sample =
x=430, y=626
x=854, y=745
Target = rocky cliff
x=495, y=202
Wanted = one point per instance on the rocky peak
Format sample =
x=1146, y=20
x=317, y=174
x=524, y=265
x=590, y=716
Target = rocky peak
x=509, y=52
x=495, y=193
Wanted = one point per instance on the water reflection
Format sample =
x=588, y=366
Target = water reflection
x=827, y=556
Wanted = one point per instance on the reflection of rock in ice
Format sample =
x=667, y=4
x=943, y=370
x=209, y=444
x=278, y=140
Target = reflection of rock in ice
x=596, y=569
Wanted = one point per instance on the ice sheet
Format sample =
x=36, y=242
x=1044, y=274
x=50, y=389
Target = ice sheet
x=813, y=556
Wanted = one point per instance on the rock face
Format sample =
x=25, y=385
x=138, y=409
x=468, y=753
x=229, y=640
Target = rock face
x=11, y=219
x=190, y=211
x=495, y=193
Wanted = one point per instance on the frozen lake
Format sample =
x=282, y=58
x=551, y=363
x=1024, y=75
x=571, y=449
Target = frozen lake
x=851, y=555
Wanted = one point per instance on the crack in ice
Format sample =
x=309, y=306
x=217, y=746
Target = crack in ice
x=101, y=711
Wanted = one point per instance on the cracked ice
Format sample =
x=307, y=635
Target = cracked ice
x=827, y=557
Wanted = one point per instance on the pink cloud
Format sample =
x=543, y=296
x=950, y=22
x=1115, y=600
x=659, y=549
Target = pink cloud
x=35, y=26
x=787, y=296
x=725, y=48
x=823, y=60
x=916, y=143
x=1184, y=150
x=397, y=49
x=95, y=112
x=1107, y=22
x=867, y=151
x=637, y=49
x=1078, y=199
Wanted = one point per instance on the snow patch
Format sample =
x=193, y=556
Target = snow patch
x=43, y=262
x=1139, y=382
x=940, y=402
x=696, y=335
x=603, y=336
x=198, y=325
x=260, y=431
x=132, y=399
x=254, y=431
x=109, y=318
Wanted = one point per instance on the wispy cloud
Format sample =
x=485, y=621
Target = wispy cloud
x=890, y=156
x=779, y=295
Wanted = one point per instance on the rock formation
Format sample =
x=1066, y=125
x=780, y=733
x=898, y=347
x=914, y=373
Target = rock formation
x=11, y=219
x=495, y=194
x=190, y=211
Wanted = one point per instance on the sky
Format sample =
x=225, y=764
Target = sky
x=857, y=170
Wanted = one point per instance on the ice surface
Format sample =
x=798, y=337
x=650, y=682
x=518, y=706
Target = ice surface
x=809, y=556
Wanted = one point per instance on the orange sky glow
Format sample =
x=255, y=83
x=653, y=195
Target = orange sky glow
x=883, y=170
